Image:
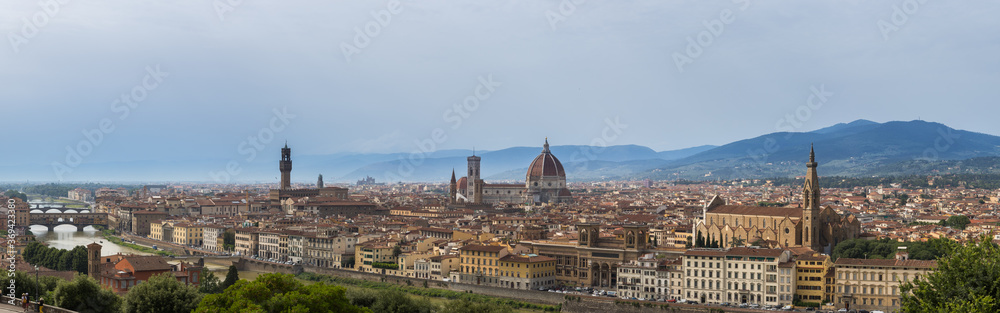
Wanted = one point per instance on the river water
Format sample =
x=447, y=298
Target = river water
x=66, y=237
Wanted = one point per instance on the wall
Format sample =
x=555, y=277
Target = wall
x=595, y=304
x=269, y=267
x=48, y=308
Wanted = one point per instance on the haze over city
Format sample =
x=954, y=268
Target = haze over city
x=193, y=80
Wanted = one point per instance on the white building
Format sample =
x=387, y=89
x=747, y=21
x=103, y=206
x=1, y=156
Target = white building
x=739, y=275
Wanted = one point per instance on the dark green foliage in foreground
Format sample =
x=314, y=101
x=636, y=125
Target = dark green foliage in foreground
x=273, y=293
x=500, y=303
x=968, y=280
x=83, y=294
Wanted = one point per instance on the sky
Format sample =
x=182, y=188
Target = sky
x=121, y=81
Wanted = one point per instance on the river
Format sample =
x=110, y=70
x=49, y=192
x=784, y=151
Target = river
x=66, y=237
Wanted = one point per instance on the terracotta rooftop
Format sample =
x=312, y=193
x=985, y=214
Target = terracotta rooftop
x=757, y=210
x=888, y=262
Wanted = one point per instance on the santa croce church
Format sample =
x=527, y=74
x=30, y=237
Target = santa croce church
x=807, y=225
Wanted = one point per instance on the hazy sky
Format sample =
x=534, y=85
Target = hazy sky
x=674, y=74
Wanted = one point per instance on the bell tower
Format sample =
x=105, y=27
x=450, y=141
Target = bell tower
x=285, y=165
x=810, y=202
x=94, y=261
x=473, y=175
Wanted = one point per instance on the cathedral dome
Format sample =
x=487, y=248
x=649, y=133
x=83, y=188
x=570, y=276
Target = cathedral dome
x=546, y=165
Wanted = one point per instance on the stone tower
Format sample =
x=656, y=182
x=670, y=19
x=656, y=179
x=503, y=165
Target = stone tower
x=285, y=165
x=589, y=233
x=472, y=176
x=452, y=188
x=810, y=202
x=94, y=261
x=319, y=182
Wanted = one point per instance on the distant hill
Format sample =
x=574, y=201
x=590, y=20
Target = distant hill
x=857, y=148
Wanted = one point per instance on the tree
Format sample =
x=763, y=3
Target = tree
x=956, y=222
x=273, y=293
x=396, y=251
x=469, y=306
x=162, y=293
x=84, y=294
x=16, y=194
x=209, y=282
x=395, y=301
x=229, y=240
x=231, y=277
x=967, y=280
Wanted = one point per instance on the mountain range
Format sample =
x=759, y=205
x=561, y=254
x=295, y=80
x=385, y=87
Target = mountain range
x=858, y=148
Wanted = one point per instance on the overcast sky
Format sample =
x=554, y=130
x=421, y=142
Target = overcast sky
x=210, y=74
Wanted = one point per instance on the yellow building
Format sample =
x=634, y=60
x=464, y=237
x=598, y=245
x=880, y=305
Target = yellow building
x=376, y=256
x=163, y=231
x=527, y=271
x=187, y=234
x=481, y=264
x=811, y=273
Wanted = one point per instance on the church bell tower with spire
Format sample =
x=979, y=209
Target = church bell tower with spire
x=810, y=202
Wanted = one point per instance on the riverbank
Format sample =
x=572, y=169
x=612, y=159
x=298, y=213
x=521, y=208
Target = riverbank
x=110, y=236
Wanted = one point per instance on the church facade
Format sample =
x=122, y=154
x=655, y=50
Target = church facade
x=545, y=182
x=809, y=226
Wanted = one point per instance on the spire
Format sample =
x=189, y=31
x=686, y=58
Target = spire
x=545, y=148
x=452, y=175
x=812, y=154
x=286, y=144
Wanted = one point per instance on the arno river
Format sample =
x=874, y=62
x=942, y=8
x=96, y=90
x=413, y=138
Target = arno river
x=66, y=237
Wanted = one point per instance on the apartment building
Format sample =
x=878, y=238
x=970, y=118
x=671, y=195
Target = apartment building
x=810, y=282
x=481, y=264
x=738, y=275
x=247, y=241
x=187, y=234
x=273, y=245
x=527, y=271
x=873, y=284
x=642, y=279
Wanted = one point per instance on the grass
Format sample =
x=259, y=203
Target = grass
x=429, y=292
x=110, y=236
x=439, y=301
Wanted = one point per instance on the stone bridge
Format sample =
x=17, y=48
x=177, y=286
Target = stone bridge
x=80, y=220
